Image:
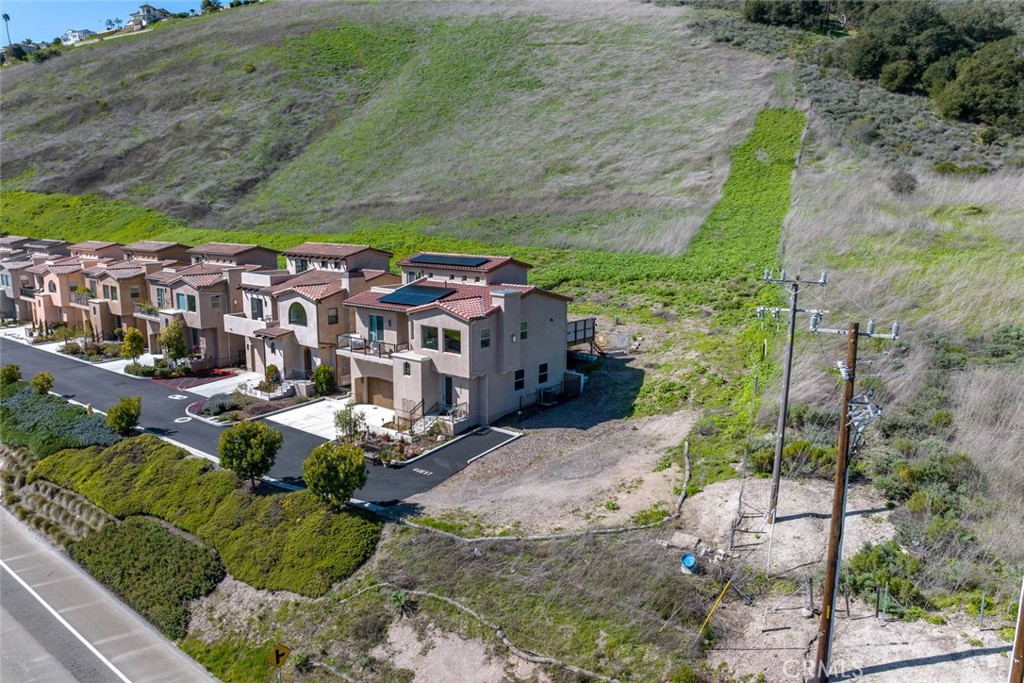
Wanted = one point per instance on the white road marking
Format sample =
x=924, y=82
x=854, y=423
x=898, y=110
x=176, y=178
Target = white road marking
x=177, y=397
x=65, y=624
x=182, y=420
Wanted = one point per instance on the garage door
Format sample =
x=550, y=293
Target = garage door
x=381, y=392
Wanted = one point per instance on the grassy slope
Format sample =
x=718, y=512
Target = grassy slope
x=602, y=129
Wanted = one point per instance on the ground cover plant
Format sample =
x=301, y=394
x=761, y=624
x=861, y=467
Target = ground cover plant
x=275, y=541
x=154, y=570
x=46, y=424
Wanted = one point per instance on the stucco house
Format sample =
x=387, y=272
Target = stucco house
x=468, y=348
x=17, y=285
x=231, y=254
x=117, y=289
x=292, y=318
x=72, y=35
x=148, y=250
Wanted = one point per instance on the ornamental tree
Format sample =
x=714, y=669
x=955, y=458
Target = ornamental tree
x=249, y=449
x=333, y=471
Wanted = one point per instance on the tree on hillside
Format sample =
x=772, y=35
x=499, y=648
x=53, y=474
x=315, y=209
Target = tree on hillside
x=172, y=341
x=133, y=346
x=208, y=6
x=249, y=449
x=109, y=24
x=124, y=415
x=989, y=87
x=333, y=471
x=7, y=27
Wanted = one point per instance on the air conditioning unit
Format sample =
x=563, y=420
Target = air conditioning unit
x=548, y=397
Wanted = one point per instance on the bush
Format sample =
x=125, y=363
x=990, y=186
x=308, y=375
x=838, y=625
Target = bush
x=902, y=182
x=43, y=382
x=271, y=374
x=71, y=348
x=46, y=424
x=139, y=370
x=9, y=374
x=124, y=415
x=333, y=471
x=348, y=422
x=283, y=541
x=217, y=404
x=249, y=449
x=875, y=565
x=323, y=380
x=153, y=570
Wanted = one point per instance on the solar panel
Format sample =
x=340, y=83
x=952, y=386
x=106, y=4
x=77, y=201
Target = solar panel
x=416, y=295
x=445, y=260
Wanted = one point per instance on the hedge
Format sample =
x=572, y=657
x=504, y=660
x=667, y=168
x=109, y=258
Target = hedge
x=46, y=424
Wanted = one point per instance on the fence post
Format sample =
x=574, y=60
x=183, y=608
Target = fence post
x=885, y=602
x=981, y=614
x=878, y=598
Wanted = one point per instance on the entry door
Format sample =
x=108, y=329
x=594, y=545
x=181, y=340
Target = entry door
x=447, y=391
x=376, y=328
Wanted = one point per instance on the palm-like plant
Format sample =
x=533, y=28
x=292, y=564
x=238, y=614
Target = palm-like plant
x=7, y=18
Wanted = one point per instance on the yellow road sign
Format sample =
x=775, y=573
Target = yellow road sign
x=279, y=656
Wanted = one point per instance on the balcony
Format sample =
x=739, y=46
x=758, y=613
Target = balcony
x=356, y=347
x=28, y=292
x=81, y=300
x=235, y=323
x=146, y=310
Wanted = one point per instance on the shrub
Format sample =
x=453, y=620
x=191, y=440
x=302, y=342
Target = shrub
x=217, y=404
x=43, y=382
x=9, y=374
x=323, y=380
x=271, y=374
x=902, y=182
x=286, y=541
x=123, y=416
x=864, y=130
x=333, y=471
x=140, y=370
x=249, y=449
x=348, y=422
x=71, y=348
x=155, y=571
x=46, y=424
x=134, y=345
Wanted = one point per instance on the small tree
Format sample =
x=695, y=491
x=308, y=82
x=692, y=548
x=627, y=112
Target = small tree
x=249, y=449
x=333, y=471
x=133, y=346
x=271, y=374
x=43, y=382
x=210, y=6
x=9, y=374
x=902, y=182
x=348, y=422
x=172, y=341
x=66, y=333
x=124, y=415
x=323, y=380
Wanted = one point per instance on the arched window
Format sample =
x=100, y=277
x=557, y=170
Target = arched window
x=52, y=286
x=297, y=314
x=406, y=368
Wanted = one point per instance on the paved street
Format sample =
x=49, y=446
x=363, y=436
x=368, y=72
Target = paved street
x=163, y=413
x=95, y=638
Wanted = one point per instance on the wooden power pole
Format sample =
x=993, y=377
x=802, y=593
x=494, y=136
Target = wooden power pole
x=835, y=538
x=780, y=433
x=1017, y=661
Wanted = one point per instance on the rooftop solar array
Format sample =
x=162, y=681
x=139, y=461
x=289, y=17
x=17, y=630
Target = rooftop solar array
x=416, y=295
x=446, y=260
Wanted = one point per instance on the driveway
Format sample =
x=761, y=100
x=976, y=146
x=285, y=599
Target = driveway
x=163, y=414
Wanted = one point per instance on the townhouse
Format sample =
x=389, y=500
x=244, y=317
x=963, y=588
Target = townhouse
x=462, y=335
x=58, y=279
x=292, y=318
x=17, y=286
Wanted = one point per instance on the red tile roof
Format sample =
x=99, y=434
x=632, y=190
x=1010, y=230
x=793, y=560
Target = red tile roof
x=224, y=248
x=197, y=275
x=273, y=332
x=92, y=245
x=151, y=246
x=329, y=250
x=492, y=262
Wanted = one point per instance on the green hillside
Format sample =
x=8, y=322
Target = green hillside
x=308, y=116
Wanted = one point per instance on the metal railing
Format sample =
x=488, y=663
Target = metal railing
x=81, y=299
x=366, y=347
x=27, y=291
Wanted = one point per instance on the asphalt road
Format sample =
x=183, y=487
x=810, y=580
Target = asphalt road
x=163, y=405
x=92, y=638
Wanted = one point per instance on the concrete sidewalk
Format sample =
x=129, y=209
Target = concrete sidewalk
x=312, y=418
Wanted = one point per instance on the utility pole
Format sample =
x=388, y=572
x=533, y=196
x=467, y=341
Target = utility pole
x=780, y=434
x=826, y=626
x=1017, y=661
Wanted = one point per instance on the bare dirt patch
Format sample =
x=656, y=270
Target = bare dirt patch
x=235, y=607
x=562, y=477
x=440, y=657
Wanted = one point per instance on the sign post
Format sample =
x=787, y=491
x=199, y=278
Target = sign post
x=278, y=657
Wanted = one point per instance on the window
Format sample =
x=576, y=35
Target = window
x=520, y=380
x=376, y=328
x=297, y=314
x=406, y=368
x=5, y=280
x=215, y=301
x=106, y=292
x=180, y=299
x=92, y=287
x=522, y=330
x=52, y=286
x=256, y=308
x=429, y=337
x=476, y=279
x=542, y=373
x=485, y=338
x=191, y=303
x=133, y=292
x=410, y=277
x=332, y=316
x=161, y=297
x=323, y=264
x=453, y=341
x=113, y=293
x=301, y=265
